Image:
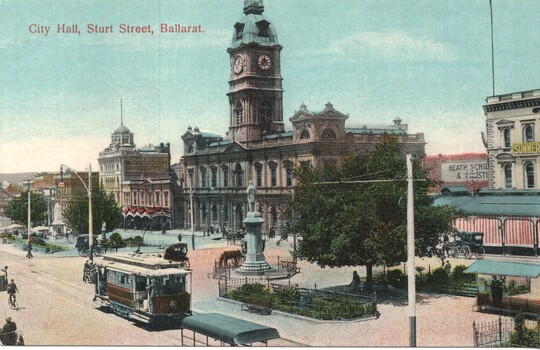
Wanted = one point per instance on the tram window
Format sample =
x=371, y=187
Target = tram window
x=140, y=284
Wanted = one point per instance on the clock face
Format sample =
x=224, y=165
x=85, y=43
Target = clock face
x=238, y=64
x=264, y=62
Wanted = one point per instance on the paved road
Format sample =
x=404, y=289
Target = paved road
x=58, y=309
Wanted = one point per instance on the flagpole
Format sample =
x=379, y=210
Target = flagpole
x=492, y=50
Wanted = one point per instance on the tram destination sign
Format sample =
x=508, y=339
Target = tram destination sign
x=464, y=171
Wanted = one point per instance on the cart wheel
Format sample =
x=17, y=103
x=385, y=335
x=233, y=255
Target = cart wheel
x=480, y=251
x=465, y=251
x=83, y=252
x=452, y=252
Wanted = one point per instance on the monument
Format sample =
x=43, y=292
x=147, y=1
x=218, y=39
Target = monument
x=255, y=263
x=58, y=225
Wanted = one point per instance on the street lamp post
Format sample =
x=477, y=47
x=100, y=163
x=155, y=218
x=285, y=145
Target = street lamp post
x=89, y=193
x=191, y=213
x=29, y=223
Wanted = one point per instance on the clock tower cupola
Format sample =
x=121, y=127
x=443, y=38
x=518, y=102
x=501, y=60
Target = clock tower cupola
x=255, y=86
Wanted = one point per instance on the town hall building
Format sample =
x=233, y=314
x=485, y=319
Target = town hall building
x=216, y=169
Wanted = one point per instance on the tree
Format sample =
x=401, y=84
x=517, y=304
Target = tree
x=104, y=209
x=349, y=224
x=17, y=209
x=115, y=241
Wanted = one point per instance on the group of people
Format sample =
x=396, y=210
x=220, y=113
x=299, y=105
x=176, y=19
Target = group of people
x=8, y=334
x=497, y=287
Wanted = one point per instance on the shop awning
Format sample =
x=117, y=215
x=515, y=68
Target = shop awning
x=229, y=329
x=505, y=268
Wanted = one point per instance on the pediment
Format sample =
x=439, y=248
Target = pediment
x=505, y=157
x=234, y=147
x=301, y=115
x=505, y=122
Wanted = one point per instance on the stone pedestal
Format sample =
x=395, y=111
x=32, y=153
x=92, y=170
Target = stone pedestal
x=255, y=263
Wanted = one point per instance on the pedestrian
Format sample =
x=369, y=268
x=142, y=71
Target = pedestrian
x=29, y=253
x=447, y=267
x=355, y=283
x=86, y=271
x=179, y=237
x=272, y=232
x=9, y=337
x=12, y=289
x=496, y=291
x=211, y=230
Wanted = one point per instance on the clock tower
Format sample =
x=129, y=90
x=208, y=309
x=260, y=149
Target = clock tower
x=256, y=93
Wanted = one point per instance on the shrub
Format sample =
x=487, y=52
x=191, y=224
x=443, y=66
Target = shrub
x=522, y=336
x=394, y=276
x=133, y=241
x=438, y=277
x=460, y=276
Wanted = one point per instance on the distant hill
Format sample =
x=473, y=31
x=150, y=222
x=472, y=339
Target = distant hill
x=15, y=177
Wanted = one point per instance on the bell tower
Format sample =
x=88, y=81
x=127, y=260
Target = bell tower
x=255, y=85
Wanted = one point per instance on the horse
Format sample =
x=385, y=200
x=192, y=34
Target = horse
x=230, y=258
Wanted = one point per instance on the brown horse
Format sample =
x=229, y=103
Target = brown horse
x=231, y=258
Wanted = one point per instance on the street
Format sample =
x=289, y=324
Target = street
x=56, y=307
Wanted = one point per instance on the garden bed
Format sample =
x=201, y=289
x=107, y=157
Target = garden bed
x=305, y=302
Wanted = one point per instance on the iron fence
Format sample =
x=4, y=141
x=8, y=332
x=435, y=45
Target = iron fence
x=497, y=333
x=330, y=303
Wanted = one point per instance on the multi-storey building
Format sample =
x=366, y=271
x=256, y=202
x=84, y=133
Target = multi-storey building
x=216, y=169
x=513, y=140
x=508, y=211
x=141, y=181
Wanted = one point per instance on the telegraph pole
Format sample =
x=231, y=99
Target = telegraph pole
x=191, y=212
x=411, y=271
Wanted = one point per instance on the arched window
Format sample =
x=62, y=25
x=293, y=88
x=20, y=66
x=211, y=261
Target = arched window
x=239, y=175
x=214, y=213
x=529, y=175
x=304, y=135
x=328, y=134
x=265, y=115
x=238, y=113
x=213, y=179
x=273, y=173
x=225, y=171
x=506, y=136
x=203, y=176
x=507, y=168
x=528, y=133
x=258, y=174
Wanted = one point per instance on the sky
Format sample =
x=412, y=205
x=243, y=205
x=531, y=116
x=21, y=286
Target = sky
x=427, y=62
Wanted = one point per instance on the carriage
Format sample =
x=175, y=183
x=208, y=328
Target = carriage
x=83, y=246
x=178, y=252
x=466, y=244
x=143, y=287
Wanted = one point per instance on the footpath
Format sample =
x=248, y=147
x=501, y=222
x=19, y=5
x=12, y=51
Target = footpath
x=442, y=320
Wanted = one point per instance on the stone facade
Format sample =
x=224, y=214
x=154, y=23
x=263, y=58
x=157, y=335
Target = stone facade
x=141, y=181
x=513, y=135
x=216, y=169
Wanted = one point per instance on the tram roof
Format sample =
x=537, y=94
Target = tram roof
x=229, y=329
x=142, y=264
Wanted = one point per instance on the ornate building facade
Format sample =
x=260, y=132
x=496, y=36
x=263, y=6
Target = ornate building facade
x=141, y=181
x=513, y=140
x=216, y=169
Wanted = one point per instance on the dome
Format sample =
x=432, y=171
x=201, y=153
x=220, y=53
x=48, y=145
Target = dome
x=122, y=129
x=254, y=27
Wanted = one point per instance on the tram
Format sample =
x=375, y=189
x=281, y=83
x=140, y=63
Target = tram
x=143, y=287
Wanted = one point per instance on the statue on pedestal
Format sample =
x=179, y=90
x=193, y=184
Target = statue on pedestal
x=251, y=191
